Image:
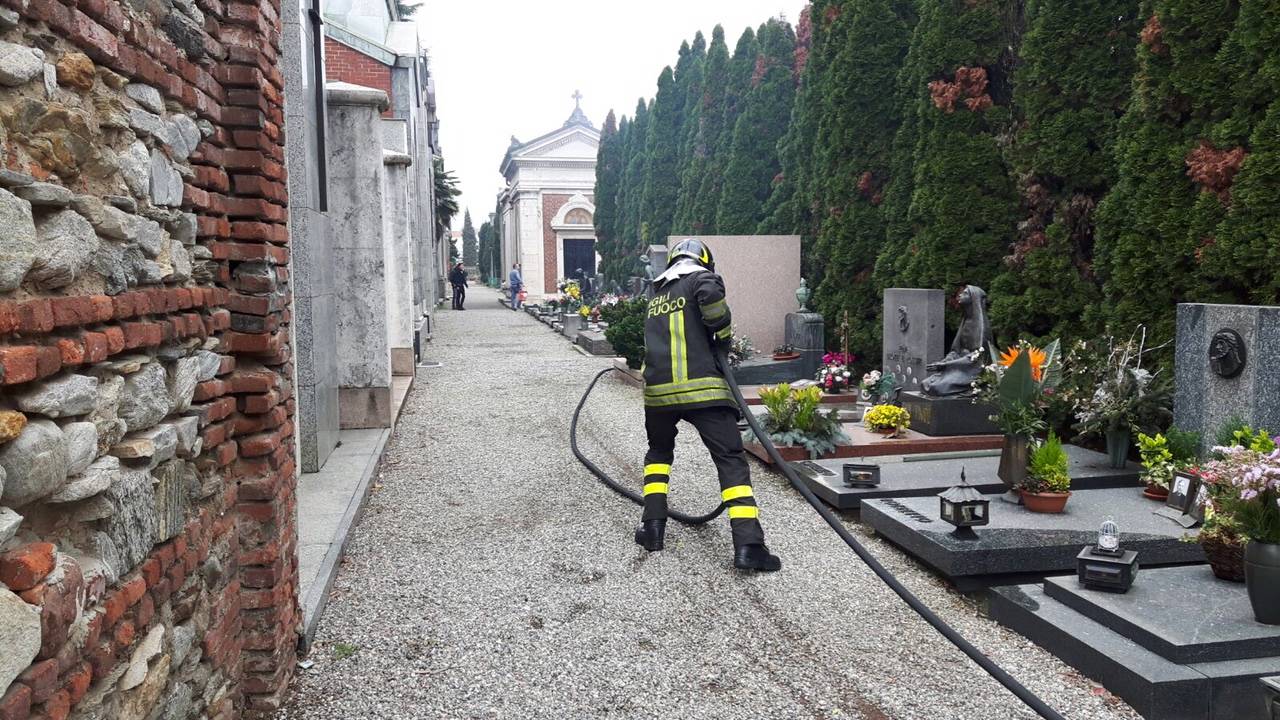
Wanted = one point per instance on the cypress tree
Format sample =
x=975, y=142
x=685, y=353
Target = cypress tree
x=1155, y=222
x=691, y=81
x=470, y=247
x=608, y=177
x=660, y=181
x=485, y=256
x=960, y=210
x=786, y=212
x=752, y=163
x=631, y=234
x=1071, y=89
x=695, y=208
x=860, y=50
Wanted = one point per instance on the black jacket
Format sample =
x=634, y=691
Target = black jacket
x=686, y=316
x=458, y=276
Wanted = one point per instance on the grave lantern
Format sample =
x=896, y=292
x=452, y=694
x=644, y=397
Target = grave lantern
x=964, y=507
x=1106, y=565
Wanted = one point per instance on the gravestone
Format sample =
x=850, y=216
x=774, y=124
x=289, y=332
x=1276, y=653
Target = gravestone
x=806, y=332
x=657, y=259
x=913, y=333
x=1226, y=364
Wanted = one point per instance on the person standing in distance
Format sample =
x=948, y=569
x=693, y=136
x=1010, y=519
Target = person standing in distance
x=458, y=279
x=516, y=282
x=687, y=321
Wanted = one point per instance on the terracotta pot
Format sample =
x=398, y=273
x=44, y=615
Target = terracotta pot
x=1013, y=460
x=888, y=433
x=1226, y=558
x=1262, y=578
x=786, y=356
x=1155, y=492
x=1046, y=502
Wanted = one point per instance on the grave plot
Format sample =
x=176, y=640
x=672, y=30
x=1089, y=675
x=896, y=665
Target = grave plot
x=1179, y=645
x=929, y=475
x=1019, y=543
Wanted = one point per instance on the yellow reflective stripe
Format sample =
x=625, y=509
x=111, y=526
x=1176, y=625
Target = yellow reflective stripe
x=679, y=352
x=735, y=492
x=738, y=512
x=700, y=384
x=655, y=488
x=657, y=469
x=715, y=310
x=724, y=332
x=687, y=398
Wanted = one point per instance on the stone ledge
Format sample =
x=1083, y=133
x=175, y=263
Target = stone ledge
x=342, y=93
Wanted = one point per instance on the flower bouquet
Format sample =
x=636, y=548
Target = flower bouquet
x=834, y=375
x=1017, y=383
x=1125, y=398
x=877, y=387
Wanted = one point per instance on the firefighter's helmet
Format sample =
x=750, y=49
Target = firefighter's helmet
x=692, y=248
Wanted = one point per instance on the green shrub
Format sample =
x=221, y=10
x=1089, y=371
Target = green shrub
x=1047, y=467
x=626, y=329
x=1184, y=445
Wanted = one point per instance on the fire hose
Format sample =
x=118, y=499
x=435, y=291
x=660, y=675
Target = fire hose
x=995, y=671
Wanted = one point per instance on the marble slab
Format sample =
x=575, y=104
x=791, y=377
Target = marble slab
x=921, y=476
x=1184, y=614
x=1156, y=687
x=1020, y=542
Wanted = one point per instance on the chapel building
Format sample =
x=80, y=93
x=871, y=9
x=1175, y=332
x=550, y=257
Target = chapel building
x=547, y=210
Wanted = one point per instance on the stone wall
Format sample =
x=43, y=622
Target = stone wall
x=147, y=518
x=551, y=204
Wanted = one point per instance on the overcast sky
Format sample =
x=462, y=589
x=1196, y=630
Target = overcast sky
x=509, y=67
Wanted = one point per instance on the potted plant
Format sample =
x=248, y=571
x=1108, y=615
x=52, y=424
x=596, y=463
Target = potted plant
x=878, y=387
x=888, y=420
x=1157, y=465
x=785, y=351
x=1048, y=484
x=740, y=348
x=1248, y=479
x=1016, y=384
x=794, y=419
x=833, y=376
x=1126, y=397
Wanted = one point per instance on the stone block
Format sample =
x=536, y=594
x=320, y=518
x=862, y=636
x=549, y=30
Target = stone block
x=188, y=432
x=364, y=407
x=96, y=478
x=131, y=529
x=594, y=342
x=18, y=242
x=63, y=396
x=145, y=399
x=209, y=364
x=946, y=416
x=146, y=96
x=19, y=64
x=1248, y=386
x=19, y=636
x=43, y=194
x=171, y=499
x=11, y=424
x=35, y=463
x=913, y=333
x=135, y=169
x=183, y=375
x=156, y=444
x=66, y=248
x=166, y=181
x=10, y=521
x=82, y=445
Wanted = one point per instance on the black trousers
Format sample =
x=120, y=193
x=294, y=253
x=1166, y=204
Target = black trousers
x=718, y=427
x=459, y=296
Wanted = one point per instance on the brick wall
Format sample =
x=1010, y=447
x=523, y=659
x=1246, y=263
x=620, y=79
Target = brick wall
x=348, y=65
x=551, y=205
x=147, y=517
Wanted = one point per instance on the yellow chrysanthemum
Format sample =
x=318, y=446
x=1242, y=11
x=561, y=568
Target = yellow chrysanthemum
x=1034, y=354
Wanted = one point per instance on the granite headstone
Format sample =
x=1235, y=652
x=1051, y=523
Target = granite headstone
x=806, y=332
x=913, y=333
x=1227, y=365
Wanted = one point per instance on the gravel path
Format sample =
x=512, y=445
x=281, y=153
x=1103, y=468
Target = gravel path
x=493, y=577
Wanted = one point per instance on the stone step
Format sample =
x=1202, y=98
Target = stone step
x=1184, y=614
x=1158, y=688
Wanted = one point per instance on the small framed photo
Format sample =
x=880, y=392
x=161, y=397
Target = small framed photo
x=1182, y=491
x=1199, y=502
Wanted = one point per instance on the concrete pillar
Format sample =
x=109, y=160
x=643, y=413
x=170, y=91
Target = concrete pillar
x=397, y=241
x=360, y=268
x=311, y=256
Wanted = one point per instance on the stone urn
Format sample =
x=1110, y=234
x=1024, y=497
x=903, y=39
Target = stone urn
x=1014, y=457
x=1262, y=578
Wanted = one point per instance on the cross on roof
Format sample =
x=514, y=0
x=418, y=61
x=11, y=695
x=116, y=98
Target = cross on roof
x=577, y=98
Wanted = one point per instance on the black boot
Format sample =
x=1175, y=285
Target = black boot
x=756, y=557
x=649, y=534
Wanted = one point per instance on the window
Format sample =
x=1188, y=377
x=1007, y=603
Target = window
x=577, y=216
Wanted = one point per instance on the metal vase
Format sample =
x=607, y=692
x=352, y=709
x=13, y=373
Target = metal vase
x=1262, y=578
x=1013, y=460
x=1118, y=448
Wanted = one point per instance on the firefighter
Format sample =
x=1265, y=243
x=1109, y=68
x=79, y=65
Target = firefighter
x=686, y=322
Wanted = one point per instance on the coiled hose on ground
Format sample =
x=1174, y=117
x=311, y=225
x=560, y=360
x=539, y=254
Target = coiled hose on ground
x=1004, y=678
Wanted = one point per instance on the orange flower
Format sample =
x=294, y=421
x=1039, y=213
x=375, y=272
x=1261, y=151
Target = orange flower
x=1034, y=354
